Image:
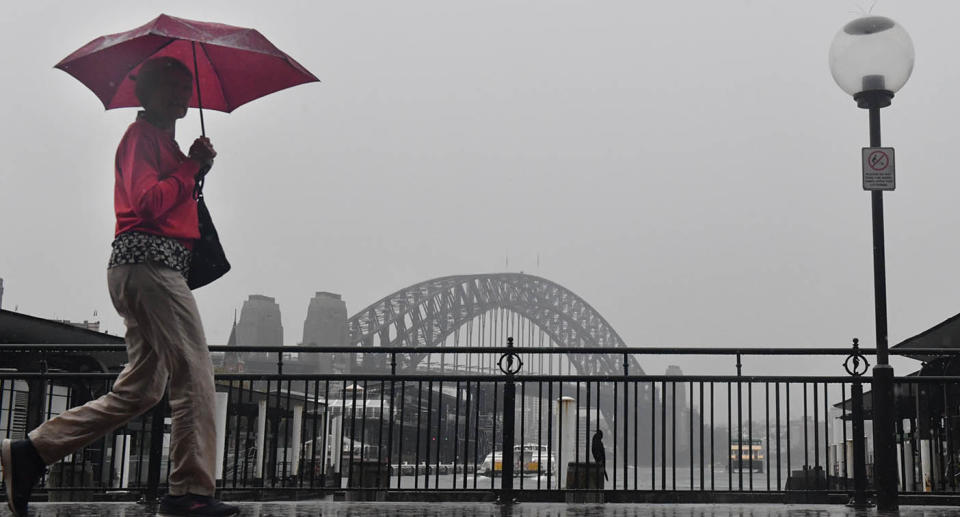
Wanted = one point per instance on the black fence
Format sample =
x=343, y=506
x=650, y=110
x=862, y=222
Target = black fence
x=511, y=432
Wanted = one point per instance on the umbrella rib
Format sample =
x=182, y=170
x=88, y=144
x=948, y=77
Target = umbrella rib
x=223, y=89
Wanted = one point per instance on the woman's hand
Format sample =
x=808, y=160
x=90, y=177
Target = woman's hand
x=202, y=151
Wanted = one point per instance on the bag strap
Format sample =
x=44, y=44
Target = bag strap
x=198, y=182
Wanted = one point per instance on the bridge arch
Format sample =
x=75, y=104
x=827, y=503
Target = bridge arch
x=427, y=313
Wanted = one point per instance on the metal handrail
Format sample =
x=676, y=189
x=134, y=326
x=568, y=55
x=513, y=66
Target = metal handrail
x=27, y=348
x=339, y=377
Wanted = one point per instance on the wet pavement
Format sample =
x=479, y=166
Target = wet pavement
x=468, y=509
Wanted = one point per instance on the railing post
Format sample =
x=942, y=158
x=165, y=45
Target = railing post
x=157, y=428
x=37, y=395
x=856, y=365
x=626, y=420
x=510, y=364
x=739, y=423
x=393, y=414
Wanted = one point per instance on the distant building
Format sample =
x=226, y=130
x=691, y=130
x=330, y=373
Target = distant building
x=259, y=323
x=22, y=329
x=17, y=415
x=326, y=325
x=678, y=413
x=89, y=325
x=233, y=362
x=1, y=293
x=681, y=387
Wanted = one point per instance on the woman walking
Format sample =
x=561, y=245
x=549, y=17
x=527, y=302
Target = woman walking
x=156, y=227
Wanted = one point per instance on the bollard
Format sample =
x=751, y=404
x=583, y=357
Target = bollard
x=584, y=483
x=584, y=476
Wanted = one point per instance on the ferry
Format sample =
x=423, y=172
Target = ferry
x=528, y=459
x=748, y=453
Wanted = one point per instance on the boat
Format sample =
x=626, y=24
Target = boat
x=747, y=454
x=528, y=460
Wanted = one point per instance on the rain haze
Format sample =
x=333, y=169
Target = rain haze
x=689, y=168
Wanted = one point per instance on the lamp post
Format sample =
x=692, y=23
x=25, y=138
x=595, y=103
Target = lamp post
x=871, y=58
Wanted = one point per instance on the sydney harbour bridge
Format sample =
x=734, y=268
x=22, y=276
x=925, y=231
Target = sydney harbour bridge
x=483, y=310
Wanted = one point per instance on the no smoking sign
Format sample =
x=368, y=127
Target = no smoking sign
x=878, y=169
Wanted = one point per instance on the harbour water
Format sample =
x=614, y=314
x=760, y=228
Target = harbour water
x=644, y=478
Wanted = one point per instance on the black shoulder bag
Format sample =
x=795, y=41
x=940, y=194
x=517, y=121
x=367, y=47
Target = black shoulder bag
x=208, y=261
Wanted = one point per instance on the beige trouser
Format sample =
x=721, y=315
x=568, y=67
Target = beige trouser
x=164, y=340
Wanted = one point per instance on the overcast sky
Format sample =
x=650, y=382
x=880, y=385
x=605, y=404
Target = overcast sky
x=689, y=168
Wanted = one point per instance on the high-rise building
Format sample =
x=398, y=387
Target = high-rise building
x=681, y=387
x=259, y=323
x=233, y=361
x=678, y=413
x=326, y=325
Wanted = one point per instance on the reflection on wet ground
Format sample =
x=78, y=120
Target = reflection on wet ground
x=345, y=509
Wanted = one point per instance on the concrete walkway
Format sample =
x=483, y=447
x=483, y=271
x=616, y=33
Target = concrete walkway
x=338, y=509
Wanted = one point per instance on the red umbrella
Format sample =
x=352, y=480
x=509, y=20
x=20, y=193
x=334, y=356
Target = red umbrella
x=232, y=65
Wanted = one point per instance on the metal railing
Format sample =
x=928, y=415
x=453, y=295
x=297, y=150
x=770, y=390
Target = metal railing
x=515, y=432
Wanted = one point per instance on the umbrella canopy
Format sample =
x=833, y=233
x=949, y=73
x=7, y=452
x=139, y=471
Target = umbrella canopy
x=234, y=65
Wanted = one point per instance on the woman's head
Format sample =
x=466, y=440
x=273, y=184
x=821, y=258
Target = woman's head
x=164, y=86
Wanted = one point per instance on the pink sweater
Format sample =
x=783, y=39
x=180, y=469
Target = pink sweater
x=154, y=185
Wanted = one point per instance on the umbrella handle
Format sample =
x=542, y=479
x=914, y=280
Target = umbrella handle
x=196, y=77
x=198, y=186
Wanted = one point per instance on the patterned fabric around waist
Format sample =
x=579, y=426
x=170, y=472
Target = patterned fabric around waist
x=138, y=247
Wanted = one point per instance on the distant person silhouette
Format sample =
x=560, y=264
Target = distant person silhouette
x=599, y=455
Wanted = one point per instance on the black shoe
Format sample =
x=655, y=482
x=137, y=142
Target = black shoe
x=195, y=505
x=22, y=468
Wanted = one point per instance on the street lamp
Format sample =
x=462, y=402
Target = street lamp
x=871, y=58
